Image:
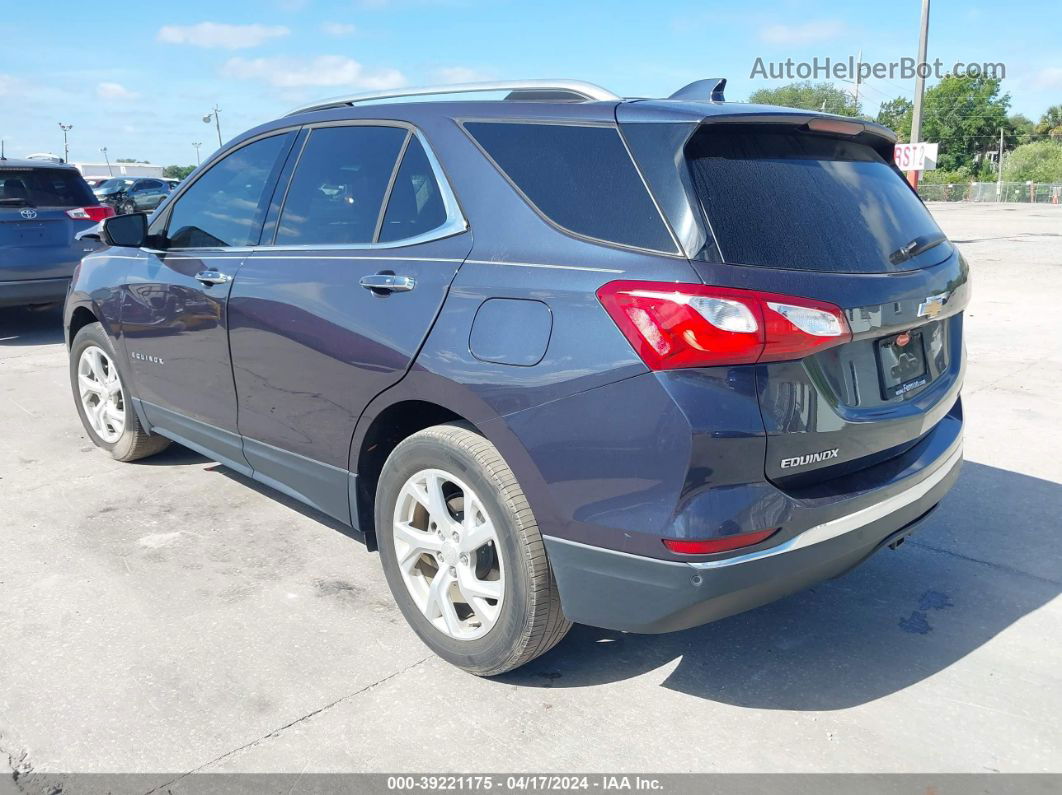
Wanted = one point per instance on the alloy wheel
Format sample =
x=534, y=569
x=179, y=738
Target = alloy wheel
x=100, y=391
x=448, y=554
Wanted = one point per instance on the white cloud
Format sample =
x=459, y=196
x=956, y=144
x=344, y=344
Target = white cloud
x=337, y=29
x=217, y=34
x=807, y=33
x=1050, y=77
x=460, y=74
x=8, y=85
x=324, y=70
x=114, y=92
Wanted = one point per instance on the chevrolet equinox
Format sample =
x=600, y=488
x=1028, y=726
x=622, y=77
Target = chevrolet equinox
x=558, y=355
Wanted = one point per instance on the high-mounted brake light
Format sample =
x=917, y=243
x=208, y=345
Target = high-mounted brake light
x=673, y=325
x=724, y=544
x=95, y=213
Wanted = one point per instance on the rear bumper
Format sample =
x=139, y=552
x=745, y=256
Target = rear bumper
x=33, y=291
x=621, y=591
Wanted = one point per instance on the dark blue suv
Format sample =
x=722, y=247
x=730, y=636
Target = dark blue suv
x=559, y=356
x=43, y=207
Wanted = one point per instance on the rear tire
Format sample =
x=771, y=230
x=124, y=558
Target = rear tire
x=498, y=606
x=103, y=400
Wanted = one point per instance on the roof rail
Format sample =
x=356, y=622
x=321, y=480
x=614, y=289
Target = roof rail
x=553, y=89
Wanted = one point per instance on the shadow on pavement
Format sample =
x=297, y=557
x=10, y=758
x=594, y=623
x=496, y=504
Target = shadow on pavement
x=986, y=559
x=31, y=326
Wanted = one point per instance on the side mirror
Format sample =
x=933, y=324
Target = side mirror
x=128, y=231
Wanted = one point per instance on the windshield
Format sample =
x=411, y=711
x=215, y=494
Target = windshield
x=788, y=198
x=113, y=185
x=43, y=187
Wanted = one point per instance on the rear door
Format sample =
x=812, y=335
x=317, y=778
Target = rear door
x=174, y=319
x=332, y=312
x=36, y=231
x=148, y=194
x=828, y=217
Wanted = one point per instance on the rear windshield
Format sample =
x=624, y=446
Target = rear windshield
x=43, y=187
x=580, y=177
x=790, y=199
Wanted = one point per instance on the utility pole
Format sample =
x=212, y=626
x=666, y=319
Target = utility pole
x=197, y=144
x=859, y=64
x=999, y=165
x=66, y=148
x=217, y=122
x=920, y=86
x=108, y=160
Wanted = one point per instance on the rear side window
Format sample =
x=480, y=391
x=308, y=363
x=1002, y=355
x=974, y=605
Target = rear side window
x=339, y=184
x=580, y=177
x=790, y=199
x=43, y=187
x=416, y=204
x=225, y=206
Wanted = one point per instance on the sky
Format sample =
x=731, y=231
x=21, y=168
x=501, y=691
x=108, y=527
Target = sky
x=138, y=77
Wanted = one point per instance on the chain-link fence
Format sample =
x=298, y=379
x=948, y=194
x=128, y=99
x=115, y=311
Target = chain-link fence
x=1036, y=192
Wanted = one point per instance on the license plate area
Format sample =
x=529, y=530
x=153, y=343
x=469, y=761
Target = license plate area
x=901, y=368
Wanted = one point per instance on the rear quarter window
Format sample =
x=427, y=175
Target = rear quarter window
x=580, y=177
x=787, y=198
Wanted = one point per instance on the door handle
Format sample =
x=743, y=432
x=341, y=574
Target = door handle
x=388, y=283
x=212, y=277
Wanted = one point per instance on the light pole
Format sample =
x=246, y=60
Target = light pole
x=66, y=148
x=217, y=123
x=920, y=86
x=197, y=144
x=107, y=159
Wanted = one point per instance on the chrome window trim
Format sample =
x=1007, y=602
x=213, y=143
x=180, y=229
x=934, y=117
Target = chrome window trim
x=455, y=222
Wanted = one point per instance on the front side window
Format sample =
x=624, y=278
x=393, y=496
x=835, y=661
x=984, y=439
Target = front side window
x=580, y=177
x=339, y=185
x=225, y=206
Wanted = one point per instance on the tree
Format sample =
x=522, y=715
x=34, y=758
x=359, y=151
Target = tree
x=1051, y=122
x=964, y=115
x=1022, y=128
x=177, y=172
x=129, y=160
x=1039, y=161
x=896, y=115
x=809, y=96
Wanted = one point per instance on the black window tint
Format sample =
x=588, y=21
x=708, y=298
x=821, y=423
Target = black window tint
x=147, y=184
x=580, y=177
x=790, y=199
x=43, y=187
x=339, y=185
x=224, y=206
x=416, y=204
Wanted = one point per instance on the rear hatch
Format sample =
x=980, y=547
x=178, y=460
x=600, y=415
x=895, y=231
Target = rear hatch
x=36, y=230
x=824, y=215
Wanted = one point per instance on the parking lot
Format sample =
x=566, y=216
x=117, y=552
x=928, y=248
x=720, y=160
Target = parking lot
x=170, y=616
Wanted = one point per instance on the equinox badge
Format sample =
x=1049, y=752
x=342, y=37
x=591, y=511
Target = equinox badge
x=810, y=458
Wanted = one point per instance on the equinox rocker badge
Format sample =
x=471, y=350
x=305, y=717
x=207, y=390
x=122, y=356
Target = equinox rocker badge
x=810, y=458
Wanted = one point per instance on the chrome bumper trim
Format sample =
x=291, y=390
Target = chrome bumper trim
x=845, y=524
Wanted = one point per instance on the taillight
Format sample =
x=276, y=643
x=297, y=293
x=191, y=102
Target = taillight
x=95, y=213
x=724, y=544
x=674, y=325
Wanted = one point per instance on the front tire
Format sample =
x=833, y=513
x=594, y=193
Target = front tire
x=462, y=552
x=103, y=400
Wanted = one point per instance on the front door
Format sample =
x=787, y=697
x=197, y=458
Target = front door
x=174, y=318
x=333, y=312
